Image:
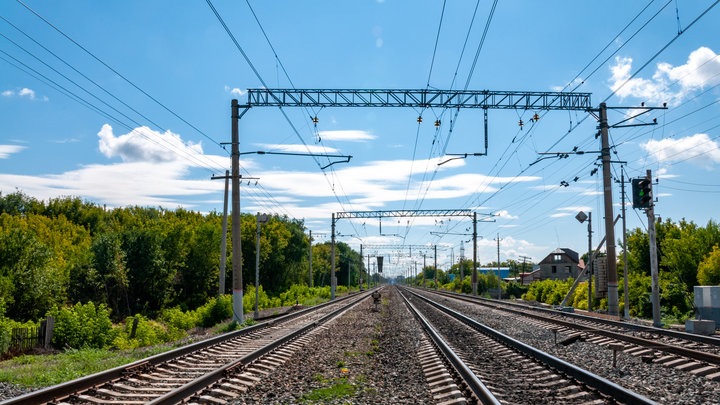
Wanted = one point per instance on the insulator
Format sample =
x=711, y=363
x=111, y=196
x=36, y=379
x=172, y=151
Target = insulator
x=437, y=123
x=642, y=104
x=419, y=120
x=521, y=123
x=536, y=117
x=315, y=120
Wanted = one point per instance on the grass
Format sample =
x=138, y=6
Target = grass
x=40, y=371
x=337, y=390
x=314, y=301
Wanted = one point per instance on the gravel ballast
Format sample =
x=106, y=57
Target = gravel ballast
x=661, y=384
x=378, y=349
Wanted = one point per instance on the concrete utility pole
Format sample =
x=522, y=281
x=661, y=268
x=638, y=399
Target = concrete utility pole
x=223, y=237
x=499, y=278
x=348, y=273
x=370, y=282
x=332, y=261
x=462, y=261
x=436, y=267
x=259, y=219
x=238, y=314
x=653, y=260
x=625, y=267
x=589, y=264
x=424, y=270
x=474, y=277
x=310, y=283
x=613, y=305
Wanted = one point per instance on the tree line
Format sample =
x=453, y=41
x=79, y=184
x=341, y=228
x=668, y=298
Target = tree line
x=141, y=260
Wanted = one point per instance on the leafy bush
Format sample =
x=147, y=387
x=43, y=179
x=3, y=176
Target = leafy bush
x=81, y=326
x=215, y=311
x=148, y=333
x=182, y=320
x=709, y=268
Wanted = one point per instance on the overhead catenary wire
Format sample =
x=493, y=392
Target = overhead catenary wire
x=257, y=74
x=121, y=76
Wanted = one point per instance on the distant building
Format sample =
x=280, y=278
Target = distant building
x=505, y=272
x=560, y=264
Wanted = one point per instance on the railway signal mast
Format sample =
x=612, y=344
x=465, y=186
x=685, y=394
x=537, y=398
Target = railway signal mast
x=642, y=197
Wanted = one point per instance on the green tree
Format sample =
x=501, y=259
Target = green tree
x=709, y=269
x=148, y=274
x=110, y=272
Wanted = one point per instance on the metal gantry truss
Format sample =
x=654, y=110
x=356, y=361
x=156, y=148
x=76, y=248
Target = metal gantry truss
x=405, y=213
x=419, y=98
x=399, y=247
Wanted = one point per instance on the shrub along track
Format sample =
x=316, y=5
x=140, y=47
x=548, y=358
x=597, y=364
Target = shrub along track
x=514, y=372
x=175, y=375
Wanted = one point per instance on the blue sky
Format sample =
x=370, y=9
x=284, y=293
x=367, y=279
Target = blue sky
x=178, y=53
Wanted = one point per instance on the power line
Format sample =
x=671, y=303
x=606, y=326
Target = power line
x=661, y=50
x=437, y=39
x=121, y=76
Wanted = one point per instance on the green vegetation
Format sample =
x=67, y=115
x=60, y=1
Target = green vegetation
x=38, y=371
x=93, y=267
x=338, y=388
x=688, y=255
x=340, y=364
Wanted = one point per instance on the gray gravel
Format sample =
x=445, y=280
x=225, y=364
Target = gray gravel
x=391, y=375
x=663, y=385
x=8, y=390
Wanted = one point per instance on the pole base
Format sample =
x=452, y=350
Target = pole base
x=238, y=315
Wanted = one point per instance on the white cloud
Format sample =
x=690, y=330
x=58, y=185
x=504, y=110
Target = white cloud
x=690, y=76
x=560, y=215
x=347, y=135
x=699, y=149
x=297, y=148
x=504, y=214
x=6, y=150
x=146, y=145
x=66, y=140
x=576, y=208
x=27, y=92
x=8, y=93
x=236, y=91
x=148, y=175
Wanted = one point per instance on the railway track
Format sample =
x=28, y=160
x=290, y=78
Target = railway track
x=697, y=354
x=213, y=371
x=492, y=368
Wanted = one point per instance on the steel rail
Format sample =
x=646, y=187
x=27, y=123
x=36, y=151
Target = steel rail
x=713, y=341
x=478, y=388
x=63, y=390
x=210, y=378
x=591, y=380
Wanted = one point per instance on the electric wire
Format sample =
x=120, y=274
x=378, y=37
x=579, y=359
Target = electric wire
x=121, y=76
